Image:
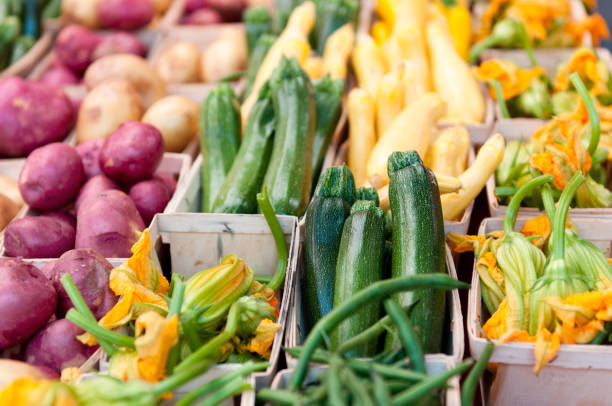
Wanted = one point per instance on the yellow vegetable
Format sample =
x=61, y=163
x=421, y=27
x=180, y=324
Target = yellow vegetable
x=389, y=99
x=362, y=135
x=446, y=184
x=384, y=9
x=474, y=178
x=314, y=67
x=460, y=25
x=414, y=87
x=337, y=51
x=452, y=77
x=408, y=13
x=292, y=43
x=411, y=130
x=380, y=32
x=368, y=64
x=449, y=151
x=464, y=142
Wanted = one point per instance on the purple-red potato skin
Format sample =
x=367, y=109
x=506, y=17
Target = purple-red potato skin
x=193, y=5
x=119, y=43
x=48, y=270
x=203, y=16
x=61, y=215
x=38, y=237
x=92, y=187
x=168, y=180
x=75, y=46
x=90, y=272
x=90, y=156
x=230, y=10
x=125, y=14
x=108, y=223
x=27, y=301
x=132, y=152
x=51, y=176
x=56, y=347
x=32, y=114
x=150, y=197
x=59, y=76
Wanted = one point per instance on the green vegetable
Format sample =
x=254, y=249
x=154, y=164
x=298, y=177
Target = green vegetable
x=5, y=9
x=418, y=242
x=10, y=29
x=368, y=193
x=564, y=101
x=21, y=47
x=279, y=240
x=257, y=23
x=289, y=174
x=263, y=45
x=244, y=180
x=283, y=9
x=325, y=217
x=506, y=33
x=328, y=95
x=219, y=140
x=410, y=341
x=468, y=388
x=360, y=262
x=52, y=9
x=533, y=102
x=331, y=15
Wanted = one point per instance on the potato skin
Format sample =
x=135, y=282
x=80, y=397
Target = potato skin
x=179, y=63
x=75, y=46
x=27, y=301
x=132, y=153
x=109, y=224
x=150, y=197
x=38, y=237
x=94, y=186
x=32, y=114
x=125, y=14
x=84, y=12
x=51, y=176
x=89, y=151
x=59, y=76
x=176, y=117
x=105, y=107
x=90, y=272
x=119, y=43
x=226, y=55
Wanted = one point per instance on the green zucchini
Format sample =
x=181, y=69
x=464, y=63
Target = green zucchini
x=238, y=194
x=289, y=174
x=219, y=140
x=5, y=9
x=21, y=47
x=331, y=15
x=52, y=9
x=360, y=263
x=282, y=11
x=325, y=217
x=328, y=95
x=264, y=43
x=10, y=29
x=418, y=242
x=368, y=193
x=257, y=23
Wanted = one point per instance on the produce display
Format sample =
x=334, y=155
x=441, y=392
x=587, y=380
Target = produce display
x=341, y=150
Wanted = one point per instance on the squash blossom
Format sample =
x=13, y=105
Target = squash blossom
x=593, y=72
x=512, y=78
x=141, y=286
x=28, y=392
x=210, y=293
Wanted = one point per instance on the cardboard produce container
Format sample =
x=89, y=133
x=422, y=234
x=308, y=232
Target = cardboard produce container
x=579, y=375
x=435, y=365
x=454, y=341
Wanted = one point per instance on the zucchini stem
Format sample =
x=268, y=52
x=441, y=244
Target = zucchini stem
x=558, y=227
x=503, y=107
x=98, y=331
x=591, y=109
x=279, y=239
x=515, y=203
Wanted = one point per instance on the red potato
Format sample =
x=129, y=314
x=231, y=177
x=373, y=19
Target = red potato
x=150, y=197
x=119, y=43
x=90, y=272
x=51, y=176
x=168, y=180
x=31, y=115
x=75, y=46
x=61, y=215
x=125, y=14
x=108, y=223
x=59, y=76
x=203, y=16
x=230, y=10
x=92, y=187
x=89, y=152
x=193, y=5
x=27, y=301
x=38, y=237
x=132, y=152
x=56, y=347
x=48, y=269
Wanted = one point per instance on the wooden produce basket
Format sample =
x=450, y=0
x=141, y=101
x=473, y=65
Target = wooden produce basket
x=11, y=168
x=435, y=365
x=296, y=332
x=173, y=163
x=579, y=375
x=460, y=226
x=29, y=61
x=199, y=241
x=201, y=37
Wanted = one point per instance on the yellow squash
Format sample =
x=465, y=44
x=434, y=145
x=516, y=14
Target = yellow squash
x=460, y=25
x=337, y=51
x=380, y=32
x=389, y=99
x=452, y=77
x=449, y=151
x=362, y=134
x=314, y=67
x=410, y=130
x=368, y=64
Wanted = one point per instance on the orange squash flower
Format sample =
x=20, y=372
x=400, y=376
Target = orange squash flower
x=512, y=78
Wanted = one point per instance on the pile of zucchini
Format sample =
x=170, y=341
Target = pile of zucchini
x=20, y=26
x=282, y=147
x=350, y=244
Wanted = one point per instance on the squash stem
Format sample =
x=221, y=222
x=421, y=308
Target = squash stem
x=518, y=197
x=527, y=45
x=96, y=330
x=558, y=227
x=591, y=109
x=503, y=107
x=279, y=239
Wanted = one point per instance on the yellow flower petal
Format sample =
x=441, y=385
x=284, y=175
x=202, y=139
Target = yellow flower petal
x=263, y=339
x=144, y=267
x=539, y=226
x=512, y=78
x=124, y=365
x=546, y=348
x=28, y=392
x=495, y=327
x=71, y=375
x=155, y=337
